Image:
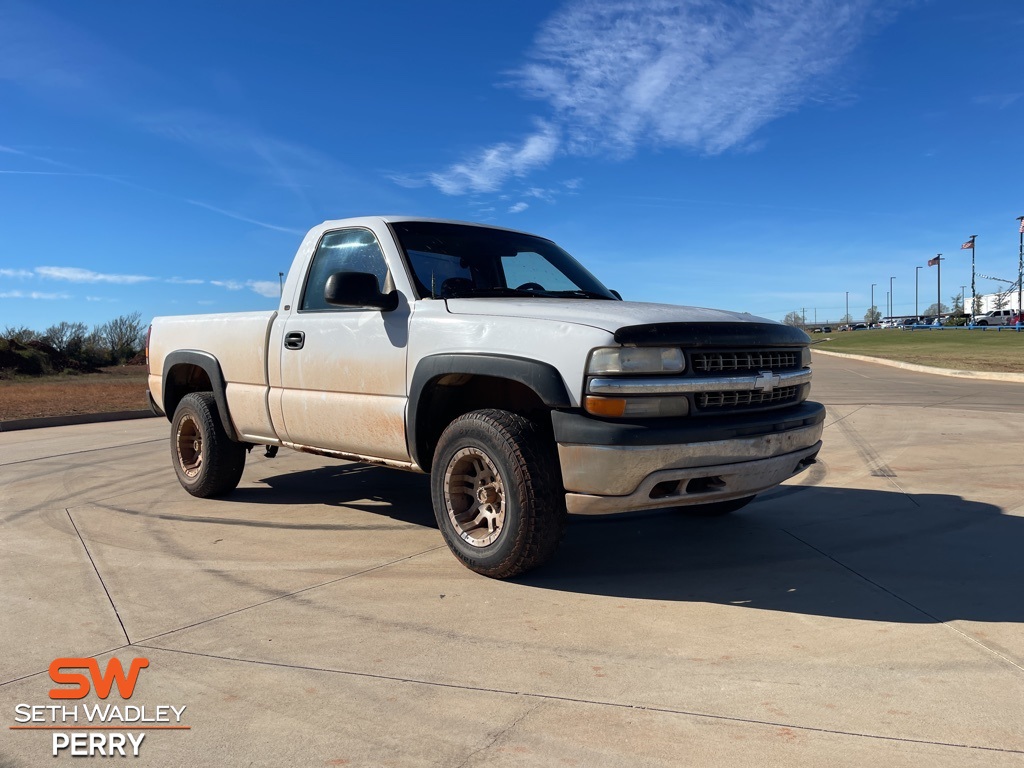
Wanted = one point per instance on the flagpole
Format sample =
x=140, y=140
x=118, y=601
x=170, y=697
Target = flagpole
x=938, y=285
x=972, y=277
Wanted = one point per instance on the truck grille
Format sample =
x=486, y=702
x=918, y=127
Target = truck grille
x=749, y=399
x=728, y=362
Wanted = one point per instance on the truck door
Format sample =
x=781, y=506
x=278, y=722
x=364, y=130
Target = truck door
x=343, y=370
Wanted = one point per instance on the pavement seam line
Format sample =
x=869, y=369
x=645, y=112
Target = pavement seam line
x=98, y=575
x=292, y=594
x=841, y=418
x=920, y=610
x=593, y=702
x=45, y=671
x=75, y=453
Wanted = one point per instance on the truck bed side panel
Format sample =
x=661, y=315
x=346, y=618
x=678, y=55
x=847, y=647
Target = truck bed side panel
x=239, y=343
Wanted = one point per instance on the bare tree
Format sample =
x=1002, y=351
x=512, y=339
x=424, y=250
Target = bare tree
x=872, y=316
x=21, y=334
x=794, y=319
x=66, y=338
x=123, y=335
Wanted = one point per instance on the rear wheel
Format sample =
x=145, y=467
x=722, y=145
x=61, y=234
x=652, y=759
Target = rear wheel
x=207, y=462
x=497, y=493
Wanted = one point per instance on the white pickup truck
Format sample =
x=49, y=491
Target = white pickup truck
x=495, y=362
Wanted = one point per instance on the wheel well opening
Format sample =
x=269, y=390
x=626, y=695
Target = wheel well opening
x=447, y=397
x=182, y=380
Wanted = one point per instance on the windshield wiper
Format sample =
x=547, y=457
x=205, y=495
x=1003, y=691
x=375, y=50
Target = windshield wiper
x=580, y=294
x=495, y=292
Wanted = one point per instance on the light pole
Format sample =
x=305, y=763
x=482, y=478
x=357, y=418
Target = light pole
x=917, y=309
x=892, y=298
x=847, y=318
x=963, y=298
x=872, y=310
x=280, y=280
x=938, y=285
x=1020, y=263
x=886, y=305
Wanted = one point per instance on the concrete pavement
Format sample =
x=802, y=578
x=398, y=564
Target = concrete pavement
x=866, y=613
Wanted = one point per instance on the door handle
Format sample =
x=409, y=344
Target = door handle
x=294, y=340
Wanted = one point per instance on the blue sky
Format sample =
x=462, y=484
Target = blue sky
x=757, y=156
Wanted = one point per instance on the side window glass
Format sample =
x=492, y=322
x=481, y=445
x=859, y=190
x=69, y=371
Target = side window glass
x=350, y=250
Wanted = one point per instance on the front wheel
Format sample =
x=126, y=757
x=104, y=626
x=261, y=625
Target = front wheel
x=497, y=493
x=207, y=462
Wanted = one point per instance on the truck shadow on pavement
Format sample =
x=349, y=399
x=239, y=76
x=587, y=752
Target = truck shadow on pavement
x=818, y=550
x=873, y=555
x=402, y=496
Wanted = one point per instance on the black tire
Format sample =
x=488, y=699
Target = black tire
x=715, y=509
x=516, y=485
x=208, y=463
x=983, y=323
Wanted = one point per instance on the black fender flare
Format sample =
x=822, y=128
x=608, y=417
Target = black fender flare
x=543, y=378
x=211, y=366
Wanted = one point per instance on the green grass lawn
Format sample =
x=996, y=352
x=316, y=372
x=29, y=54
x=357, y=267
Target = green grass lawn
x=961, y=349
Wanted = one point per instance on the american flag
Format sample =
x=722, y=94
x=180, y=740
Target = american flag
x=968, y=244
x=1022, y=225
x=933, y=262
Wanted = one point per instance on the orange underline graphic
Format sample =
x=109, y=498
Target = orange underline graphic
x=125, y=727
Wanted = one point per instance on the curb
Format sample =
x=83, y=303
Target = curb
x=977, y=375
x=81, y=418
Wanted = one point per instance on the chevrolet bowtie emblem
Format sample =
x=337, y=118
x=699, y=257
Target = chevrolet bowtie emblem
x=767, y=381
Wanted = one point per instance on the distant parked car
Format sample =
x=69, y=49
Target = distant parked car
x=859, y=327
x=996, y=317
x=826, y=329
x=1016, y=317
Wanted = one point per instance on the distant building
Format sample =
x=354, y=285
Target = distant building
x=989, y=301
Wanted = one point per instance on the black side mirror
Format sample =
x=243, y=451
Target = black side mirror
x=616, y=294
x=358, y=289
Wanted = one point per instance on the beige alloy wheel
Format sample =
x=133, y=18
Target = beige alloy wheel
x=474, y=494
x=189, y=440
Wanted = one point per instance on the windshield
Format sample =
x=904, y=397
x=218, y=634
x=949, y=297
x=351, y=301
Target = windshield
x=462, y=261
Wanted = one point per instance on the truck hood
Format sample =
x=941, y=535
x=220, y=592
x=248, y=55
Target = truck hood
x=607, y=315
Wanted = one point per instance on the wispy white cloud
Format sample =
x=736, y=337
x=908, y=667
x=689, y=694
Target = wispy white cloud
x=518, y=207
x=184, y=281
x=701, y=74
x=78, y=275
x=15, y=273
x=997, y=100
x=698, y=74
x=267, y=288
x=248, y=220
x=489, y=168
x=33, y=295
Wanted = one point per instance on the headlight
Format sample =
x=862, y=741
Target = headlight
x=636, y=360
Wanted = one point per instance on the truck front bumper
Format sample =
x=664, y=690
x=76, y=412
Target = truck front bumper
x=610, y=467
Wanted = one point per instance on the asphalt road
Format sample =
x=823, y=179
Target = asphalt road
x=867, y=613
